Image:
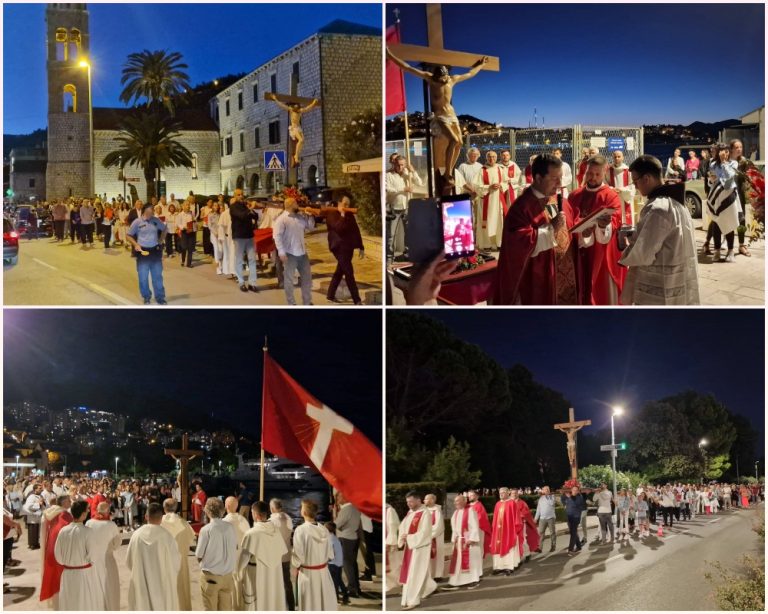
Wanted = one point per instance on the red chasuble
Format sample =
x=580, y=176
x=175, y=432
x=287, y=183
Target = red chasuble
x=510, y=193
x=461, y=544
x=581, y=172
x=51, y=569
x=595, y=263
x=484, y=524
x=413, y=528
x=506, y=528
x=532, y=281
x=532, y=535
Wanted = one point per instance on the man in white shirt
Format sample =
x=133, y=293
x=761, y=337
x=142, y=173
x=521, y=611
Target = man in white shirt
x=567, y=179
x=347, y=525
x=399, y=187
x=217, y=554
x=288, y=233
x=470, y=171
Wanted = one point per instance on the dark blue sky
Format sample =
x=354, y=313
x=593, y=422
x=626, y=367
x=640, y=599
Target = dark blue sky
x=598, y=358
x=215, y=40
x=603, y=64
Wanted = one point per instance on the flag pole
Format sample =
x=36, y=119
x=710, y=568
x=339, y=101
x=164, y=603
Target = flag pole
x=405, y=109
x=263, y=396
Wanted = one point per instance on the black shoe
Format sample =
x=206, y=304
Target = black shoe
x=369, y=578
x=333, y=300
x=162, y=301
x=583, y=542
x=189, y=266
x=253, y=288
x=147, y=301
x=244, y=288
x=552, y=549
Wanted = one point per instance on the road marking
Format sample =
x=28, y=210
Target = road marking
x=715, y=520
x=583, y=569
x=45, y=264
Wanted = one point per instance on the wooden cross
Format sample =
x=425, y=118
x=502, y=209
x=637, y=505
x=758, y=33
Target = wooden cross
x=183, y=456
x=435, y=54
x=570, y=429
x=289, y=99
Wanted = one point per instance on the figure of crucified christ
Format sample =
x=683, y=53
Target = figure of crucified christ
x=444, y=122
x=295, y=111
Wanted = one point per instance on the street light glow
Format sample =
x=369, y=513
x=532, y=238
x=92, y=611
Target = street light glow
x=618, y=410
x=84, y=64
x=703, y=442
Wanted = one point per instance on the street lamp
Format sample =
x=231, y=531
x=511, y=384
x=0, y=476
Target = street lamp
x=617, y=411
x=757, y=477
x=117, y=458
x=91, y=182
x=17, y=466
x=702, y=446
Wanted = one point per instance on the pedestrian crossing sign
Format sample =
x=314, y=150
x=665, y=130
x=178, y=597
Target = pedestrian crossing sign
x=274, y=160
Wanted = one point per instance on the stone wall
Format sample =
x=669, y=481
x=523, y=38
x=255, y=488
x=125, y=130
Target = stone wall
x=21, y=190
x=351, y=73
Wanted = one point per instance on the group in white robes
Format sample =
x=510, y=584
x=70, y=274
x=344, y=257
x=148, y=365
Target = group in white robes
x=226, y=243
x=391, y=529
x=415, y=535
x=490, y=206
x=466, y=547
x=154, y=561
x=105, y=540
x=241, y=528
x=619, y=178
x=183, y=535
x=261, y=569
x=312, y=549
x=437, y=561
x=80, y=587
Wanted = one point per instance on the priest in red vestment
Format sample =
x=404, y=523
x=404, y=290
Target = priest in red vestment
x=599, y=276
x=582, y=168
x=198, y=503
x=529, y=532
x=55, y=518
x=506, y=543
x=527, y=271
x=483, y=523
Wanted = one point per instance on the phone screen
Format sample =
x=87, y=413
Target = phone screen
x=458, y=237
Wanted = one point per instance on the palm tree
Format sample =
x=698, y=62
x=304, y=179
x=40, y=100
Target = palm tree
x=148, y=141
x=157, y=76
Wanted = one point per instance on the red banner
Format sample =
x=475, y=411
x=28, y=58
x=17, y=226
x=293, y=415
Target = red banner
x=395, y=83
x=299, y=427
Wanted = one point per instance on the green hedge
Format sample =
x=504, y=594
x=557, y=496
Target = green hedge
x=396, y=494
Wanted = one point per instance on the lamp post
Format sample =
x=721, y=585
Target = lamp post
x=757, y=477
x=617, y=411
x=17, y=466
x=702, y=447
x=91, y=179
x=117, y=458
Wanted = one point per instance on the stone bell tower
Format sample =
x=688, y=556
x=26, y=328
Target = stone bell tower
x=69, y=101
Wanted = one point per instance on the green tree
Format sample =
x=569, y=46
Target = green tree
x=149, y=142
x=406, y=460
x=451, y=465
x=716, y=466
x=156, y=76
x=592, y=476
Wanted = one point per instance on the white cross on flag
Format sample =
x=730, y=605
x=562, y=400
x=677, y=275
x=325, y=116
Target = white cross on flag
x=299, y=427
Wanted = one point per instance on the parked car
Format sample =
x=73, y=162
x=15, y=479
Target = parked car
x=10, y=242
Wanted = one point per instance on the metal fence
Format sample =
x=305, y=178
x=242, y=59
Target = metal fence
x=418, y=158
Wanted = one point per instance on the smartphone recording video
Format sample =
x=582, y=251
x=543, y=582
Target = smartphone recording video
x=458, y=237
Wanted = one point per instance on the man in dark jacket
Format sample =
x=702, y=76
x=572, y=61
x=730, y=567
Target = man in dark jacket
x=343, y=239
x=244, y=222
x=574, y=503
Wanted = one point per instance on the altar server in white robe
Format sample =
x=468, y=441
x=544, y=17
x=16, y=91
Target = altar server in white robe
x=391, y=529
x=415, y=535
x=183, y=535
x=437, y=553
x=467, y=554
x=106, y=540
x=619, y=178
x=515, y=177
x=226, y=243
x=241, y=528
x=80, y=587
x=567, y=179
x=491, y=204
x=470, y=172
x=312, y=549
x=260, y=564
x=154, y=561
x=661, y=256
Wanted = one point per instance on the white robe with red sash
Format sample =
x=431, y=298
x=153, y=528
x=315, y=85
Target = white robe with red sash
x=467, y=556
x=515, y=182
x=618, y=177
x=415, y=535
x=391, y=529
x=437, y=554
x=491, y=206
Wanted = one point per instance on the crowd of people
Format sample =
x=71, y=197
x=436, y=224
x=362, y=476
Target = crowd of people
x=252, y=555
x=416, y=549
x=229, y=233
x=559, y=245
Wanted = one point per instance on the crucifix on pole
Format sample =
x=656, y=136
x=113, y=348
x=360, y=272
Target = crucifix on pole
x=183, y=456
x=570, y=429
x=444, y=146
x=296, y=106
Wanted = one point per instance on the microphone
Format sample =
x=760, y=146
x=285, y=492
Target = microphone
x=560, y=202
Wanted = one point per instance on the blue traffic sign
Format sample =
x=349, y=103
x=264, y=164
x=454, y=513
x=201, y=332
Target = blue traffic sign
x=274, y=160
x=616, y=143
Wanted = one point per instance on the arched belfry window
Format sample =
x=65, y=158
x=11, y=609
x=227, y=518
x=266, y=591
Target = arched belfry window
x=61, y=44
x=74, y=43
x=70, y=99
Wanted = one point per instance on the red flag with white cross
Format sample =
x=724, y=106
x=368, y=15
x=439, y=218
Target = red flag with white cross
x=299, y=427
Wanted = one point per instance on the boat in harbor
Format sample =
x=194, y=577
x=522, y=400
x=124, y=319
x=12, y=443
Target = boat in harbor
x=280, y=474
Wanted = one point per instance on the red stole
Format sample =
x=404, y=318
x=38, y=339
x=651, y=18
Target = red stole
x=510, y=190
x=625, y=174
x=461, y=544
x=51, y=569
x=484, y=524
x=433, y=545
x=408, y=552
x=486, y=198
x=582, y=171
x=532, y=534
x=505, y=521
x=529, y=174
x=518, y=276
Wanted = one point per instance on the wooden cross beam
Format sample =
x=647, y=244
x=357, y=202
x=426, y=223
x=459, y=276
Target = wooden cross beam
x=570, y=429
x=290, y=99
x=572, y=423
x=435, y=53
x=183, y=456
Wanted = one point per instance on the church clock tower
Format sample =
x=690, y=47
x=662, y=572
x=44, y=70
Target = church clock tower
x=69, y=102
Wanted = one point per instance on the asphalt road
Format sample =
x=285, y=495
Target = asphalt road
x=50, y=273
x=656, y=574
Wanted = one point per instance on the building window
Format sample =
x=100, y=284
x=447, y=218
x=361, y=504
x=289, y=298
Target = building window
x=255, y=92
x=295, y=79
x=31, y=183
x=242, y=141
x=74, y=44
x=255, y=184
x=222, y=147
x=61, y=44
x=194, y=166
x=226, y=108
x=229, y=145
x=274, y=132
x=273, y=83
x=240, y=101
x=257, y=137
x=70, y=99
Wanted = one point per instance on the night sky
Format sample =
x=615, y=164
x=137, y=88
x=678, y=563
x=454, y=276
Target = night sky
x=210, y=360
x=214, y=39
x=599, y=358
x=601, y=63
